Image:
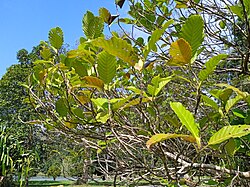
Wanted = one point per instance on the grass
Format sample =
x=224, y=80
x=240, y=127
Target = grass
x=67, y=183
x=71, y=184
x=49, y=183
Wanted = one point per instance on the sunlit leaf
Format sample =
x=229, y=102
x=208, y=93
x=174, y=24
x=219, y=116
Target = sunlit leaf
x=162, y=137
x=228, y=132
x=208, y=101
x=104, y=14
x=136, y=102
x=92, y=26
x=119, y=48
x=106, y=66
x=157, y=85
x=210, y=66
x=187, y=119
x=192, y=32
x=70, y=125
x=45, y=53
x=56, y=37
x=82, y=54
x=99, y=102
x=236, y=90
x=102, y=117
x=231, y=102
x=236, y=9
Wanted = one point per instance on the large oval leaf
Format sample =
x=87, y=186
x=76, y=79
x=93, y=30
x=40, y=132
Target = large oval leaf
x=161, y=137
x=119, y=48
x=187, y=119
x=92, y=26
x=192, y=32
x=61, y=107
x=228, y=132
x=94, y=82
x=106, y=66
x=56, y=37
x=181, y=52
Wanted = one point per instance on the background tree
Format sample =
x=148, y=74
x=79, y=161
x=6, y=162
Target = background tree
x=15, y=109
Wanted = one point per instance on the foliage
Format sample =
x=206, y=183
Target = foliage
x=54, y=171
x=117, y=96
x=21, y=143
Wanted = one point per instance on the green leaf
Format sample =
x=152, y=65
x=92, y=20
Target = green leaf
x=210, y=102
x=92, y=26
x=102, y=117
x=230, y=147
x=180, y=51
x=106, y=66
x=136, y=102
x=82, y=54
x=162, y=137
x=121, y=102
x=231, y=102
x=239, y=113
x=156, y=35
x=56, y=37
x=119, y=48
x=236, y=9
x=236, y=90
x=210, y=66
x=104, y=14
x=45, y=53
x=193, y=32
x=134, y=89
x=228, y=132
x=80, y=68
x=225, y=94
x=187, y=119
x=157, y=85
x=61, y=107
x=101, y=103
x=222, y=24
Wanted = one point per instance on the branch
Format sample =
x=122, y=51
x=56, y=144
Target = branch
x=186, y=164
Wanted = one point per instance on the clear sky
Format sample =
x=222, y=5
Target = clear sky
x=24, y=23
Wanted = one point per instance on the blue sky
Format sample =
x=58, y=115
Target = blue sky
x=24, y=23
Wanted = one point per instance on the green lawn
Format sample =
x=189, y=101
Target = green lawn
x=50, y=183
x=67, y=183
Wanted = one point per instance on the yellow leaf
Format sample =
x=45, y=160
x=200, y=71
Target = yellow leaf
x=181, y=52
x=94, y=82
x=70, y=125
x=83, y=99
x=161, y=137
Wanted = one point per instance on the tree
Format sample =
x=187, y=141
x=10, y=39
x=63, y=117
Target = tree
x=23, y=141
x=54, y=171
x=153, y=110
